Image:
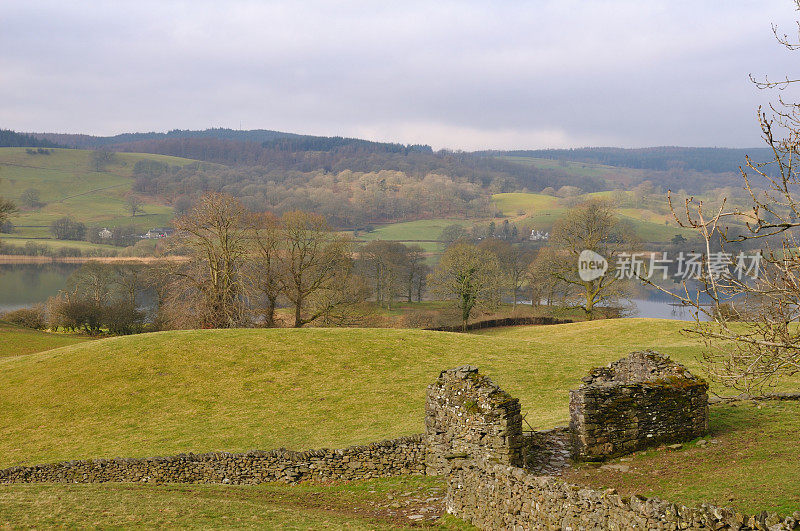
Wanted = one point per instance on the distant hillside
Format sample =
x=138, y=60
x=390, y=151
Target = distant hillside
x=715, y=160
x=278, y=151
x=93, y=142
x=12, y=139
x=590, y=169
x=67, y=183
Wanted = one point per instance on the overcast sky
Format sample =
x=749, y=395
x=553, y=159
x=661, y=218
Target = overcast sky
x=462, y=75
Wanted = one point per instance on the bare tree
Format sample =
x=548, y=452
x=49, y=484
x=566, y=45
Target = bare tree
x=386, y=263
x=263, y=266
x=416, y=272
x=590, y=226
x=313, y=260
x=100, y=159
x=748, y=322
x=134, y=203
x=209, y=288
x=467, y=274
x=542, y=284
x=7, y=209
x=93, y=281
x=513, y=261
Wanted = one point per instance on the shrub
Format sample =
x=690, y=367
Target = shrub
x=123, y=318
x=33, y=317
x=75, y=314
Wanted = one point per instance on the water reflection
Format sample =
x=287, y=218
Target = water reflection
x=24, y=285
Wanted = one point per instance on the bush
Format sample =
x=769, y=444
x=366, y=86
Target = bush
x=75, y=314
x=123, y=319
x=67, y=229
x=33, y=317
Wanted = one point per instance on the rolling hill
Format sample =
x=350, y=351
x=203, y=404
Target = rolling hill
x=201, y=390
x=69, y=185
x=18, y=341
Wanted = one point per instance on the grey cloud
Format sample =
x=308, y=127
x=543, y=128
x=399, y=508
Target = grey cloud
x=454, y=74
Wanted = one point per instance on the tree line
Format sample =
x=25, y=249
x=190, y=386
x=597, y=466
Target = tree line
x=232, y=267
x=346, y=198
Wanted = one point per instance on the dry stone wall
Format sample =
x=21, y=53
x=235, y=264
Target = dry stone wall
x=639, y=401
x=466, y=414
x=492, y=496
x=388, y=458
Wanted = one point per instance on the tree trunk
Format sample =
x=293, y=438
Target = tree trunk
x=270, y=313
x=297, y=318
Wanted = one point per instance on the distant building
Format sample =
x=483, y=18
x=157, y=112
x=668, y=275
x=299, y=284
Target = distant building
x=537, y=236
x=105, y=233
x=157, y=234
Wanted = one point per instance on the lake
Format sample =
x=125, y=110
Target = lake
x=24, y=285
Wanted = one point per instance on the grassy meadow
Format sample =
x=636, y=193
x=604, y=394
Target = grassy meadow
x=411, y=232
x=17, y=341
x=69, y=186
x=751, y=463
x=380, y=504
x=234, y=390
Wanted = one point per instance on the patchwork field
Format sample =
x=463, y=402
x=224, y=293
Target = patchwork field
x=69, y=186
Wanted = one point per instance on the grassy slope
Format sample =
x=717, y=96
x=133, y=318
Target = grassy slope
x=626, y=177
x=408, y=231
x=16, y=341
x=512, y=204
x=169, y=392
x=69, y=187
x=234, y=390
x=752, y=463
x=541, y=211
x=356, y=505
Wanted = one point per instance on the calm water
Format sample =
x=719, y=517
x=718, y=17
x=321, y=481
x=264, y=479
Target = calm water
x=661, y=309
x=27, y=284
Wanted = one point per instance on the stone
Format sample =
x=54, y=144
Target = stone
x=617, y=468
x=467, y=416
x=640, y=401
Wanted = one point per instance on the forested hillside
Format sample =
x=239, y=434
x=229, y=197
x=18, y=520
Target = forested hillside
x=274, y=151
x=13, y=139
x=714, y=160
x=265, y=152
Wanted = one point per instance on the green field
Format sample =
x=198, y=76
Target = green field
x=168, y=392
x=15, y=239
x=70, y=187
x=410, y=232
x=16, y=341
x=514, y=204
x=750, y=463
x=371, y=504
x=651, y=222
x=235, y=390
